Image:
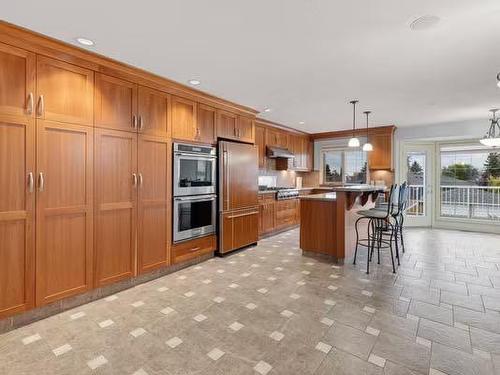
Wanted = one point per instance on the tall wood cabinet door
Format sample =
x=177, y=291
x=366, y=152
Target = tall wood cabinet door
x=246, y=129
x=154, y=112
x=17, y=199
x=381, y=156
x=64, y=226
x=206, y=124
x=183, y=118
x=227, y=123
x=65, y=92
x=260, y=142
x=154, y=212
x=115, y=103
x=17, y=77
x=240, y=182
x=116, y=205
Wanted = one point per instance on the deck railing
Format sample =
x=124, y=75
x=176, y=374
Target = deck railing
x=469, y=202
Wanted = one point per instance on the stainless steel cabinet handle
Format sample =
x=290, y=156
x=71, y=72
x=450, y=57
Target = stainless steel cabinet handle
x=140, y=180
x=134, y=180
x=241, y=215
x=29, y=104
x=141, y=124
x=30, y=182
x=194, y=249
x=41, y=182
x=226, y=176
x=134, y=122
x=41, y=106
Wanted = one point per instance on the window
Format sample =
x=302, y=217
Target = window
x=343, y=166
x=470, y=182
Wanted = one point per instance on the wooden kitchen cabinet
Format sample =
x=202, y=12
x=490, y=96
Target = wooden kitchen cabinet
x=17, y=77
x=276, y=138
x=245, y=130
x=115, y=103
x=241, y=228
x=206, y=121
x=17, y=206
x=381, y=156
x=153, y=109
x=65, y=92
x=115, y=205
x=184, y=119
x=227, y=124
x=154, y=194
x=191, y=249
x=286, y=212
x=260, y=142
x=267, y=216
x=64, y=219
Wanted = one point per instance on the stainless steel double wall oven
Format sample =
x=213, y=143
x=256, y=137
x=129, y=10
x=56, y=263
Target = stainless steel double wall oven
x=195, y=199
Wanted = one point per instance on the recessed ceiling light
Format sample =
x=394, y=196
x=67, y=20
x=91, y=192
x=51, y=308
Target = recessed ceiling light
x=424, y=22
x=85, y=42
x=267, y=109
x=301, y=122
x=194, y=82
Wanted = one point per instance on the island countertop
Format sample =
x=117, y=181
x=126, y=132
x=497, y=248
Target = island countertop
x=332, y=194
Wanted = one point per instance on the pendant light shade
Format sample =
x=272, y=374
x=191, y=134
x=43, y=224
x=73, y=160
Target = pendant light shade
x=367, y=146
x=492, y=136
x=353, y=142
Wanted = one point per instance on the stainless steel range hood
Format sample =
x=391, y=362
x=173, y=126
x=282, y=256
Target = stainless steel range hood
x=278, y=152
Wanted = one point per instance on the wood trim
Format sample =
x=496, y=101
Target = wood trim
x=44, y=45
x=358, y=132
x=276, y=125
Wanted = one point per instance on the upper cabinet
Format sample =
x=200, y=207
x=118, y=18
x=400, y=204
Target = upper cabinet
x=381, y=156
x=17, y=77
x=301, y=146
x=245, y=129
x=153, y=112
x=260, y=142
x=226, y=124
x=115, y=103
x=232, y=126
x=65, y=92
x=206, y=119
x=183, y=119
x=277, y=138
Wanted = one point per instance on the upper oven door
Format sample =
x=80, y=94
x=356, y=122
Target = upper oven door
x=194, y=174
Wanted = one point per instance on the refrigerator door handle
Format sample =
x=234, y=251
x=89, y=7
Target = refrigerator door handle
x=225, y=157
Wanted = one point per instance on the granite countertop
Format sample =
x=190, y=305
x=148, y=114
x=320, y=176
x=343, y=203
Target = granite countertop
x=320, y=197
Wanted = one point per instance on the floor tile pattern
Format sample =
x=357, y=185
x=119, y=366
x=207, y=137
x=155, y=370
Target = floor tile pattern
x=270, y=310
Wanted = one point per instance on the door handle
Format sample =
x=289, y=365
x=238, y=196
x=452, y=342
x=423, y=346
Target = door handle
x=226, y=176
x=134, y=180
x=41, y=106
x=30, y=182
x=140, y=180
x=41, y=182
x=241, y=215
x=194, y=249
x=134, y=122
x=29, y=104
x=141, y=123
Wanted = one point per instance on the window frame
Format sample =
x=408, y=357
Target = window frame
x=342, y=150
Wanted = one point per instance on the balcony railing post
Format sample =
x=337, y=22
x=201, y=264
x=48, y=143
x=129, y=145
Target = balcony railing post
x=469, y=205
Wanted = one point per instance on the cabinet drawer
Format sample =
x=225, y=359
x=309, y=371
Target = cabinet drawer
x=194, y=248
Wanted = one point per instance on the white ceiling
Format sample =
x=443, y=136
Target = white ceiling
x=305, y=59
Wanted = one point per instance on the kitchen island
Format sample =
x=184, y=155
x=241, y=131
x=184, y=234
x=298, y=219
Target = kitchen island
x=327, y=220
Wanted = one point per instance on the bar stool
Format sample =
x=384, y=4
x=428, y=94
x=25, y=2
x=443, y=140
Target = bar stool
x=398, y=216
x=379, y=227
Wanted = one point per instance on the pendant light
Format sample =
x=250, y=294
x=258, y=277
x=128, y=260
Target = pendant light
x=353, y=142
x=498, y=79
x=367, y=146
x=492, y=136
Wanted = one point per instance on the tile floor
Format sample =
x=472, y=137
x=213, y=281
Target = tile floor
x=269, y=310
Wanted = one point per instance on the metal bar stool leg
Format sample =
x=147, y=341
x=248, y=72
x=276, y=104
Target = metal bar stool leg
x=392, y=254
x=357, y=238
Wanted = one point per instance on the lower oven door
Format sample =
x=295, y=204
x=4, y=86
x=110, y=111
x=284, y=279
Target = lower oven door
x=194, y=216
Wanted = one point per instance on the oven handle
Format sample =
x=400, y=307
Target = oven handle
x=204, y=156
x=195, y=200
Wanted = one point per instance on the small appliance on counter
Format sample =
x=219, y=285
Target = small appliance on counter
x=195, y=199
